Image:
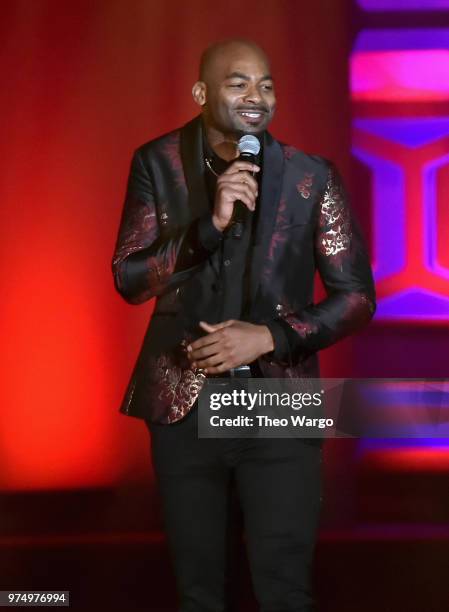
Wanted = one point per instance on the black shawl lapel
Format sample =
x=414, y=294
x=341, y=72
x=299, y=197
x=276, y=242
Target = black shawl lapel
x=193, y=164
x=272, y=173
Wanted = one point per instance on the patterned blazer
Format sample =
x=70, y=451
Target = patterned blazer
x=305, y=225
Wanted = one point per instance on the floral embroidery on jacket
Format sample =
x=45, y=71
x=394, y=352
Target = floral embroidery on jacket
x=304, y=186
x=335, y=228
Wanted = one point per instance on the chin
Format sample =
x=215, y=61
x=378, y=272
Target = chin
x=255, y=129
x=250, y=129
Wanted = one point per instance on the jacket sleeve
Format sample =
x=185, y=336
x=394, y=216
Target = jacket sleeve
x=343, y=264
x=146, y=264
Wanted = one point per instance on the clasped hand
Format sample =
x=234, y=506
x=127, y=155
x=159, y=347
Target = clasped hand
x=229, y=344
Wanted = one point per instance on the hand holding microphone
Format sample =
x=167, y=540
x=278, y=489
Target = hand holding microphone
x=237, y=188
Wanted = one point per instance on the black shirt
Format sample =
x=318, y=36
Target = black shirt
x=227, y=297
x=233, y=253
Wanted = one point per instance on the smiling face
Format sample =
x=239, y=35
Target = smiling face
x=236, y=91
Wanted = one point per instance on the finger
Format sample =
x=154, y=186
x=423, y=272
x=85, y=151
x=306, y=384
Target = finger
x=204, y=352
x=210, y=339
x=200, y=361
x=243, y=195
x=240, y=188
x=219, y=369
x=211, y=362
x=226, y=323
x=243, y=191
x=225, y=185
x=237, y=180
x=237, y=166
x=242, y=177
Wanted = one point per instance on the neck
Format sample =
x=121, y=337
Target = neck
x=224, y=145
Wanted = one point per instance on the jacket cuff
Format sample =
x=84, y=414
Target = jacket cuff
x=281, y=349
x=208, y=235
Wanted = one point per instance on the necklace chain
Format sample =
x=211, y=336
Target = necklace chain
x=209, y=165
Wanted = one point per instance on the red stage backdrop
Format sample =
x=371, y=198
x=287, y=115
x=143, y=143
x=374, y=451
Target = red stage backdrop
x=84, y=84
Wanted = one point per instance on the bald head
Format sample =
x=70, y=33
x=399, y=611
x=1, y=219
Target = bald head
x=222, y=52
x=235, y=90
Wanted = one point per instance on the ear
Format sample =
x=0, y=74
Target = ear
x=199, y=93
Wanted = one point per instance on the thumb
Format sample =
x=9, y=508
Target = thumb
x=207, y=326
x=211, y=328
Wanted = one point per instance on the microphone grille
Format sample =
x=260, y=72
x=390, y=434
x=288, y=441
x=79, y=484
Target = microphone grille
x=249, y=144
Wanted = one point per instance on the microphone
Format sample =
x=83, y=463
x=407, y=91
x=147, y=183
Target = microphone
x=249, y=147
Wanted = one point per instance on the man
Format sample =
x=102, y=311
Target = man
x=235, y=304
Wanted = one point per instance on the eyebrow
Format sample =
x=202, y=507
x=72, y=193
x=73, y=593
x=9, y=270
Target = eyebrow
x=240, y=75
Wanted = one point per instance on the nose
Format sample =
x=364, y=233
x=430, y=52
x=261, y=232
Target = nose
x=252, y=94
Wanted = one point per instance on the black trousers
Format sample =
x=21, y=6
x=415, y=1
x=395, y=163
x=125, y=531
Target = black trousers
x=279, y=487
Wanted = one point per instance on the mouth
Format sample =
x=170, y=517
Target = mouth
x=253, y=116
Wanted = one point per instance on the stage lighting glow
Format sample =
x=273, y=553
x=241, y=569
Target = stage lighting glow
x=411, y=75
x=408, y=157
x=404, y=5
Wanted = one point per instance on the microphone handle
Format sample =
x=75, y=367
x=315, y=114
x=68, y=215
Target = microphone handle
x=240, y=209
x=238, y=219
